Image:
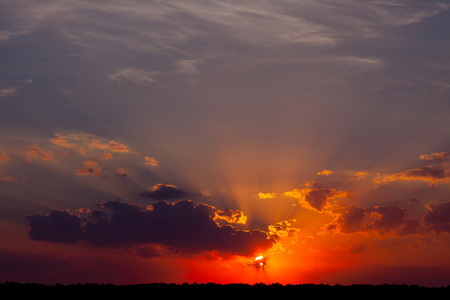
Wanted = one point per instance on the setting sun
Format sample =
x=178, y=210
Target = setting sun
x=259, y=262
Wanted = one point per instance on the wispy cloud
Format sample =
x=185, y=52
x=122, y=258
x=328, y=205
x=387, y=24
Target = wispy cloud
x=5, y=92
x=308, y=22
x=134, y=75
x=187, y=66
x=35, y=151
x=83, y=142
x=150, y=161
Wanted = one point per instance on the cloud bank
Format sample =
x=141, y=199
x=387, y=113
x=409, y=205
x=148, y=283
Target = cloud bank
x=180, y=225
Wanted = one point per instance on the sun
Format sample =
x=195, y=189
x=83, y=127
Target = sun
x=259, y=262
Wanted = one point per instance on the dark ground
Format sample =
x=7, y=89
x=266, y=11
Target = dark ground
x=212, y=290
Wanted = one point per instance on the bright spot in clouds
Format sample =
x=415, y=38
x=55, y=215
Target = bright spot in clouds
x=259, y=263
x=267, y=195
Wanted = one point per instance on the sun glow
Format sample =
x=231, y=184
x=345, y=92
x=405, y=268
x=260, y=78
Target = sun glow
x=259, y=262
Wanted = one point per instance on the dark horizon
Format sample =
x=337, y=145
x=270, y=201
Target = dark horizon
x=236, y=289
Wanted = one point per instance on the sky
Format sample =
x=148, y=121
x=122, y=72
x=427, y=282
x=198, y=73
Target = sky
x=177, y=141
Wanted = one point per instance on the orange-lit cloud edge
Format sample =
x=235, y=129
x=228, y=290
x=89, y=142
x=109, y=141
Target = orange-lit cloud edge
x=216, y=245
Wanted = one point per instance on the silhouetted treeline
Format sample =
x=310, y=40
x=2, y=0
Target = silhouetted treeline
x=211, y=289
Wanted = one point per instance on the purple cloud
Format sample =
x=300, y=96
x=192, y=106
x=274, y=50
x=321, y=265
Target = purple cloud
x=180, y=225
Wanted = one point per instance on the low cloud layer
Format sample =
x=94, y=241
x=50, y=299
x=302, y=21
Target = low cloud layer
x=181, y=225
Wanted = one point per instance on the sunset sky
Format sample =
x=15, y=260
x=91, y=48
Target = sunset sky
x=176, y=141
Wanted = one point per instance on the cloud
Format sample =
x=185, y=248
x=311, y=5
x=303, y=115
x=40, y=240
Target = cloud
x=3, y=156
x=385, y=219
x=34, y=151
x=436, y=170
x=324, y=172
x=134, y=75
x=58, y=226
x=438, y=219
x=111, y=146
x=363, y=64
x=284, y=229
x=424, y=242
x=91, y=169
x=121, y=172
x=187, y=66
x=107, y=156
x=11, y=91
x=436, y=157
x=432, y=174
x=381, y=220
x=350, y=219
x=11, y=179
x=83, y=142
x=314, y=196
x=150, y=161
x=180, y=225
x=267, y=195
x=230, y=216
x=360, y=175
x=164, y=192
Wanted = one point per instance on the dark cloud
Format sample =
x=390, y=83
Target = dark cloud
x=180, y=225
x=411, y=226
x=381, y=220
x=350, y=220
x=164, y=192
x=58, y=226
x=438, y=219
x=386, y=219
